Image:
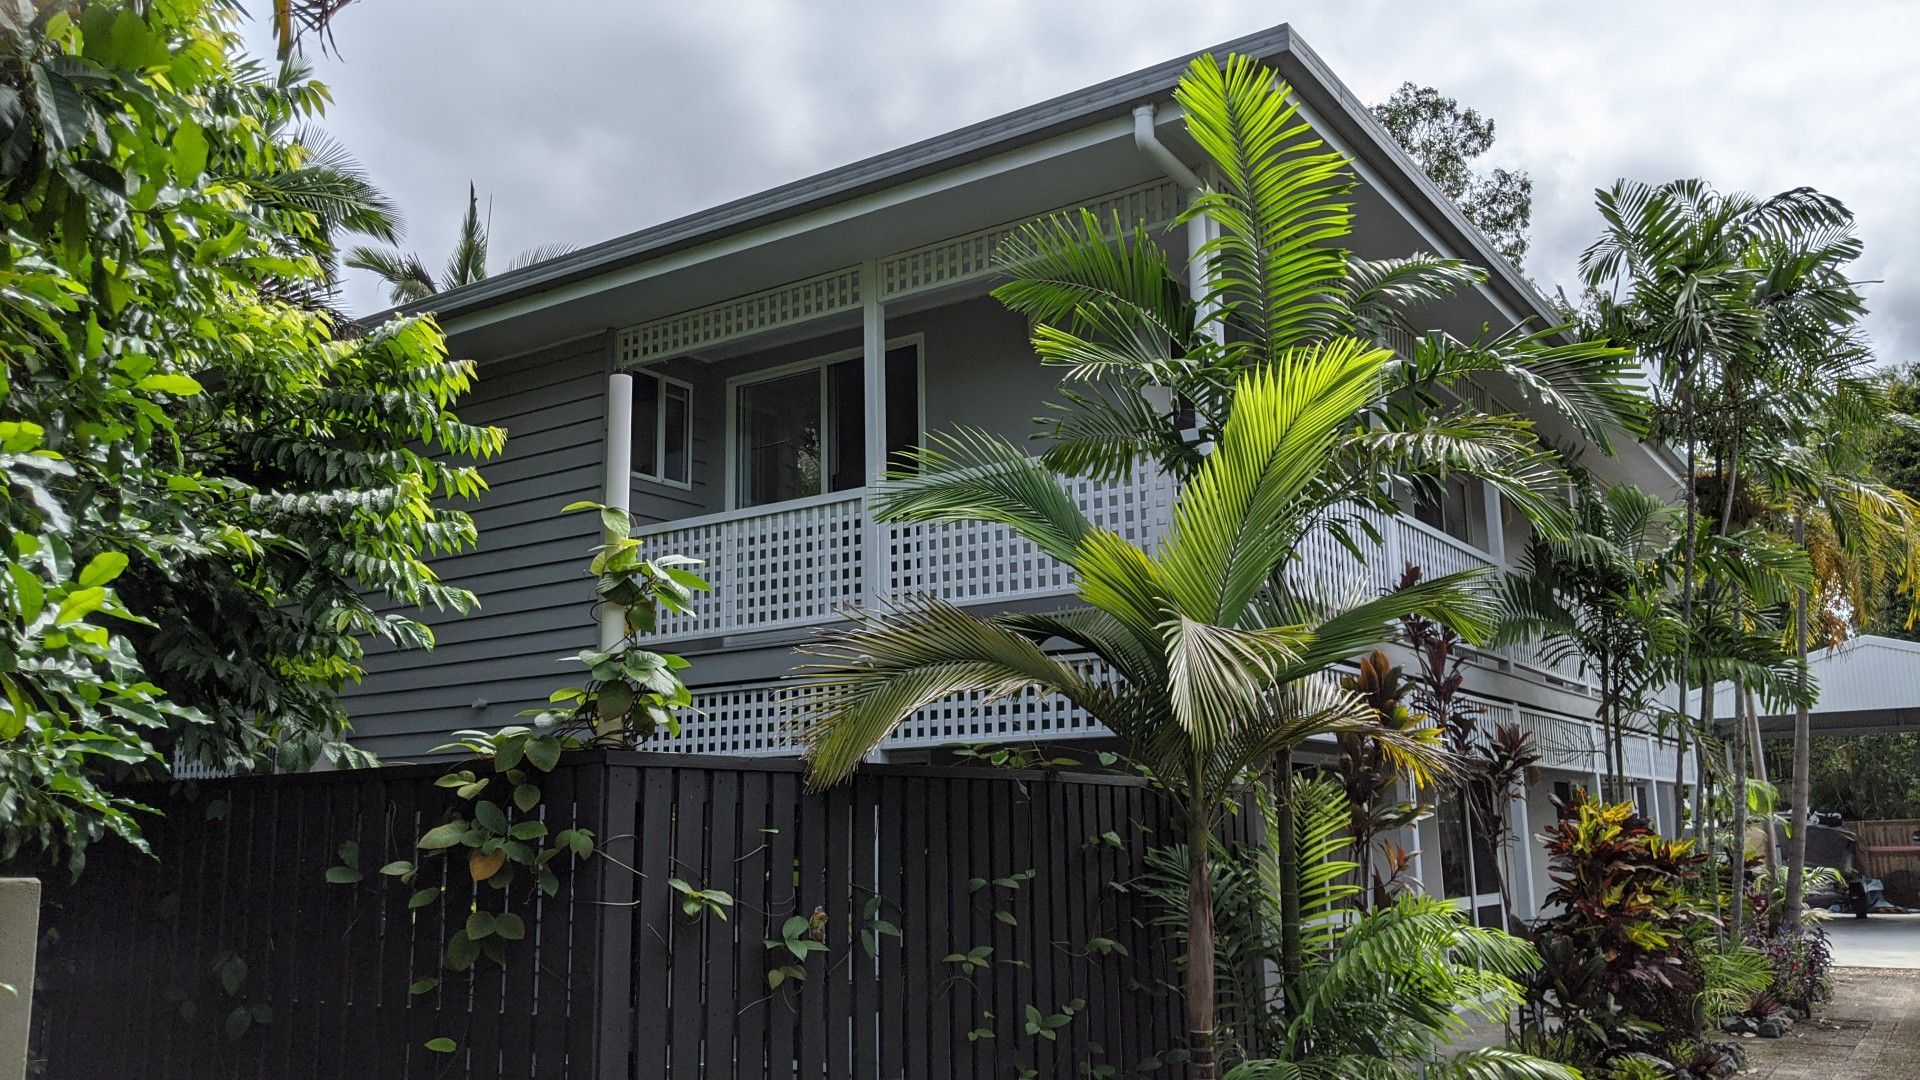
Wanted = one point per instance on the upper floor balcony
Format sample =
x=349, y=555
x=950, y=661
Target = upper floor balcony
x=803, y=563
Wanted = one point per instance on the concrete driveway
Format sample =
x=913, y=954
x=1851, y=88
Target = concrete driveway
x=1869, y=1031
x=1878, y=941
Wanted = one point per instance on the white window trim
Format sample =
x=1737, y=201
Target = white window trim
x=660, y=429
x=820, y=363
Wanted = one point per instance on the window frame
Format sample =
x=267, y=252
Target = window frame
x=820, y=364
x=660, y=430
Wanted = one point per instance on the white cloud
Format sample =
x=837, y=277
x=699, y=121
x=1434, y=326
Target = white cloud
x=593, y=119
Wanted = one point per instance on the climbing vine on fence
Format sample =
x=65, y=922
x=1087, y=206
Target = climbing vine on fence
x=498, y=831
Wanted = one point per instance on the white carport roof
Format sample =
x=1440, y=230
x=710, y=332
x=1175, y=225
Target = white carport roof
x=1868, y=685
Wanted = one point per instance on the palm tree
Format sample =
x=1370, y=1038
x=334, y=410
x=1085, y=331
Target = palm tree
x=1205, y=668
x=1600, y=595
x=1216, y=658
x=406, y=273
x=1732, y=301
x=1109, y=308
x=1862, y=538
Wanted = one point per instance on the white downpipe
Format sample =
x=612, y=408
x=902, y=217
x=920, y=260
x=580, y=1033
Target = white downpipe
x=1198, y=228
x=617, y=491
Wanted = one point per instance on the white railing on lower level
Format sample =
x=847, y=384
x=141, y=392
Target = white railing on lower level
x=755, y=719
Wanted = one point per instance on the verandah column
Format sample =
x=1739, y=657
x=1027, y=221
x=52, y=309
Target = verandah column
x=875, y=559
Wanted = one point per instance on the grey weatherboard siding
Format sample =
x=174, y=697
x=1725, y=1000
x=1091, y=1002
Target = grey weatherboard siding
x=529, y=567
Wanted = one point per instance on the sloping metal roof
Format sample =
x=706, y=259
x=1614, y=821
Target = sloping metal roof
x=1313, y=82
x=1868, y=685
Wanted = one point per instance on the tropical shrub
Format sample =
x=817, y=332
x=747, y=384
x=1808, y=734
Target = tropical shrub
x=1632, y=971
x=1380, y=993
x=1797, y=952
x=1395, y=990
x=1372, y=777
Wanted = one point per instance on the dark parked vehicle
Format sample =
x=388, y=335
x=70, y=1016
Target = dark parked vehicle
x=1838, y=849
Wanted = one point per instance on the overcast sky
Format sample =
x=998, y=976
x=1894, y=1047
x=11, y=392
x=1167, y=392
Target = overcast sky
x=584, y=120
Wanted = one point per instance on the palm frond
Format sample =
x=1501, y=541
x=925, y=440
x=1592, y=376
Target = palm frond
x=539, y=253
x=1379, y=292
x=970, y=475
x=407, y=278
x=868, y=677
x=1238, y=516
x=468, y=263
x=1279, y=200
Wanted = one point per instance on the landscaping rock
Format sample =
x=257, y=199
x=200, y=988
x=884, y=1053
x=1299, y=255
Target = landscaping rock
x=1772, y=1027
x=1732, y=1060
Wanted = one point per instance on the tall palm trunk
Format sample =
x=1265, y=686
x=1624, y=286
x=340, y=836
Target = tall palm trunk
x=1287, y=849
x=1802, y=753
x=1757, y=762
x=1686, y=642
x=1708, y=700
x=1200, y=959
x=1679, y=772
x=1737, y=854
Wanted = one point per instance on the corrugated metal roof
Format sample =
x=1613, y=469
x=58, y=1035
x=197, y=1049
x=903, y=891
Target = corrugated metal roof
x=1313, y=82
x=1868, y=684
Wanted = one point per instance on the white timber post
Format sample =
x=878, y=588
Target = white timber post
x=1496, y=536
x=1520, y=861
x=617, y=491
x=875, y=563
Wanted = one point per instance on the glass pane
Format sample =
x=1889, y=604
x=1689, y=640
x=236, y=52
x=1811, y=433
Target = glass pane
x=1486, y=865
x=777, y=439
x=846, y=426
x=677, y=464
x=1445, y=506
x=646, y=425
x=903, y=404
x=1452, y=821
x=1490, y=915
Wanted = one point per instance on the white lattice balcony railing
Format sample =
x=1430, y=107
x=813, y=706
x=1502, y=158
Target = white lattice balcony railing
x=790, y=564
x=803, y=563
x=974, y=562
x=1328, y=568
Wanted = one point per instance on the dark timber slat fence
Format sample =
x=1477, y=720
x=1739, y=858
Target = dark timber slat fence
x=612, y=980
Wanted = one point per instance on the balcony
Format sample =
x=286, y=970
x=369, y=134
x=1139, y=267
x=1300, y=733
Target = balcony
x=802, y=563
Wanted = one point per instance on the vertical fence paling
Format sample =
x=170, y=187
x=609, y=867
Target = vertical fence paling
x=612, y=979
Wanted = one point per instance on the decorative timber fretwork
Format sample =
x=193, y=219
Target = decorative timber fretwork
x=743, y=316
x=971, y=256
x=938, y=265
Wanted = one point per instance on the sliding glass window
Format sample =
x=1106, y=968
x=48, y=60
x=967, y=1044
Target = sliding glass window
x=801, y=431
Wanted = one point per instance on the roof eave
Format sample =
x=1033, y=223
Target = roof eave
x=1009, y=131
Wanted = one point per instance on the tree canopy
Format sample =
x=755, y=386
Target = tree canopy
x=1446, y=139
x=212, y=498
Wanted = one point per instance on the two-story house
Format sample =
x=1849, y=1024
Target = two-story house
x=784, y=345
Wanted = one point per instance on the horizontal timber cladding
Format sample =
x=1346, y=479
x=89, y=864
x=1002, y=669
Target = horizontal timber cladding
x=500, y=658
x=898, y=873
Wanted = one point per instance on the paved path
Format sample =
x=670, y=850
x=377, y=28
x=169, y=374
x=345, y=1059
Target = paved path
x=1869, y=1031
x=1878, y=941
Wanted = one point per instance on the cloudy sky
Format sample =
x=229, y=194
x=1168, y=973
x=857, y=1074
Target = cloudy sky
x=585, y=120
